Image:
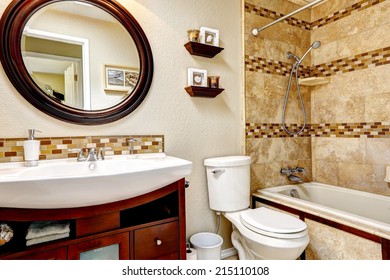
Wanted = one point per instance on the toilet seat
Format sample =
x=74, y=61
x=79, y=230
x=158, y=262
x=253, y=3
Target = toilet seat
x=272, y=223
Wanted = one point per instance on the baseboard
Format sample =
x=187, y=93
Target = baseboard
x=228, y=253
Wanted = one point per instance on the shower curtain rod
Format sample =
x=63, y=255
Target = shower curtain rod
x=256, y=31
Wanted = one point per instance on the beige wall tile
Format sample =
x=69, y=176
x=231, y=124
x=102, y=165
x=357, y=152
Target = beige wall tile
x=377, y=108
x=281, y=32
x=371, y=19
x=356, y=176
x=371, y=39
x=360, y=83
x=378, y=183
x=327, y=243
x=260, y=110
x=378, y=151
x=329, y=7
x=339, y=149
x=326, y=172
x=282, y=6
x=338, y=108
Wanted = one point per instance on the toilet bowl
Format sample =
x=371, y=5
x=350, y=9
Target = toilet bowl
x=260, y=233
x=263, y=233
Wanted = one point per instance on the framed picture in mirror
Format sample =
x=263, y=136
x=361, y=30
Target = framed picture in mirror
x=120, y=78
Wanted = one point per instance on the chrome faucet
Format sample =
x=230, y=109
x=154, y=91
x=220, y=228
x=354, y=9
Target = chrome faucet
x=289, y=172
x=92, y=155
x=295, y=179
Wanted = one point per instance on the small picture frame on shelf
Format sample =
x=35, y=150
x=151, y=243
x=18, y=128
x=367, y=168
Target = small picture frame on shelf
x=120, y=78
x=209, y=36
x=197, y=77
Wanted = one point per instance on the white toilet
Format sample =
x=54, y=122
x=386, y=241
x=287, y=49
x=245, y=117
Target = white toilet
x=259, y=233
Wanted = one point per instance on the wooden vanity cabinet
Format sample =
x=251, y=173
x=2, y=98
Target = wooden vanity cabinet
x=150, y=226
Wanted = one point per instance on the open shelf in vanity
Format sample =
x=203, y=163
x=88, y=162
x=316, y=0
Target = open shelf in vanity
x=150, y=226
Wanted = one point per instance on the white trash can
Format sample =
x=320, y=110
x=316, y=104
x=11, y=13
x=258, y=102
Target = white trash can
x=208, y=245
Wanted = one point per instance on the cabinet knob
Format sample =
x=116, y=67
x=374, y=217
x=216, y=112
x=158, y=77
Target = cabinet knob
x=158, y=241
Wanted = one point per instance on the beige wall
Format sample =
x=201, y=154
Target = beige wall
x=354, y=54
x=194, y=128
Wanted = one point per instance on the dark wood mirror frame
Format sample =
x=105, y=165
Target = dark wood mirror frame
x=12, y=24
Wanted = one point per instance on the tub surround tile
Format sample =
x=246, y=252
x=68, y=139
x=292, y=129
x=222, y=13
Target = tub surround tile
x=378, y=152
x=339, y=150
x=327, y=243
x=330, y=7
x=326, y=172
x=372, y=58
x=348, y=128
x=272, y=66
x=355, y=55
x=328, y=130
x=342, y=11
x=57, y=147
x=377, y=107
x=361, y=175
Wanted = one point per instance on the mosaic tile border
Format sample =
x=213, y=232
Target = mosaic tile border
x=357, y=7
x=272, y=66
x=273, y=130
x=344, y=65
x=343, y=130
x=345, y=12
x=11, y=149
x=358, y=62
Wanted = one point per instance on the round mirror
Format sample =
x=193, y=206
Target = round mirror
x=85, y=62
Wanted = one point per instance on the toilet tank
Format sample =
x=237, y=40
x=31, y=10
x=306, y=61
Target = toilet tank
x=228, y=181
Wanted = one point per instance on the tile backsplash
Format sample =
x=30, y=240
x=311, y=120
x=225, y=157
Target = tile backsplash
x=11, y=149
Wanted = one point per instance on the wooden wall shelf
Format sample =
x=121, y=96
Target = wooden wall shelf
x=203, y=91
x=204, y=50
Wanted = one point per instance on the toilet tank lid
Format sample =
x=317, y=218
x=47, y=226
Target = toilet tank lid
x=227, y=161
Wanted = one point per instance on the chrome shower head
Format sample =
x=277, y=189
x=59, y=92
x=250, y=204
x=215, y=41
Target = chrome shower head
x=315, y=45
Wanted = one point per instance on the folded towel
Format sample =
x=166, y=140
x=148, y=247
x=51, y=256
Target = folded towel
x=45, y=228
x=46, y=238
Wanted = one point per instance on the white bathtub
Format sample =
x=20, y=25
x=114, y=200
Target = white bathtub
x=362, y=210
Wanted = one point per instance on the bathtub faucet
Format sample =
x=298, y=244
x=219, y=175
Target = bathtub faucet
x=289, y=172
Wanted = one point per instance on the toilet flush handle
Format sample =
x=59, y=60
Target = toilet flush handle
x=218, y=171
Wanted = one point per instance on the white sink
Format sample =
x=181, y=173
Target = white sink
x=66, y=183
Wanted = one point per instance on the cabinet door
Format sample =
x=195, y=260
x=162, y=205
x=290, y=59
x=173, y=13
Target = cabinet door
x=113, y=247
x=157, y=242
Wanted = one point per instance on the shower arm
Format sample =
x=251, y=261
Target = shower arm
x=256, y=31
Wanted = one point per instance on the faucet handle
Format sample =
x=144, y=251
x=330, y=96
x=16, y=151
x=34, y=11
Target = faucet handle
x=131, y=142
x=100, y=155
x=80, y=156
x=300, y=169
x=285, y=171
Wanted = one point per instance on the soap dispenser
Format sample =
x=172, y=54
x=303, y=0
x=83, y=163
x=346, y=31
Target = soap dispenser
x=31, y=149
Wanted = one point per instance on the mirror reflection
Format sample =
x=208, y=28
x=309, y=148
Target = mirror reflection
x=80, y=55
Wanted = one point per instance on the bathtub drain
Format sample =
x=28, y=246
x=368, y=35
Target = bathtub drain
x=294, y=193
